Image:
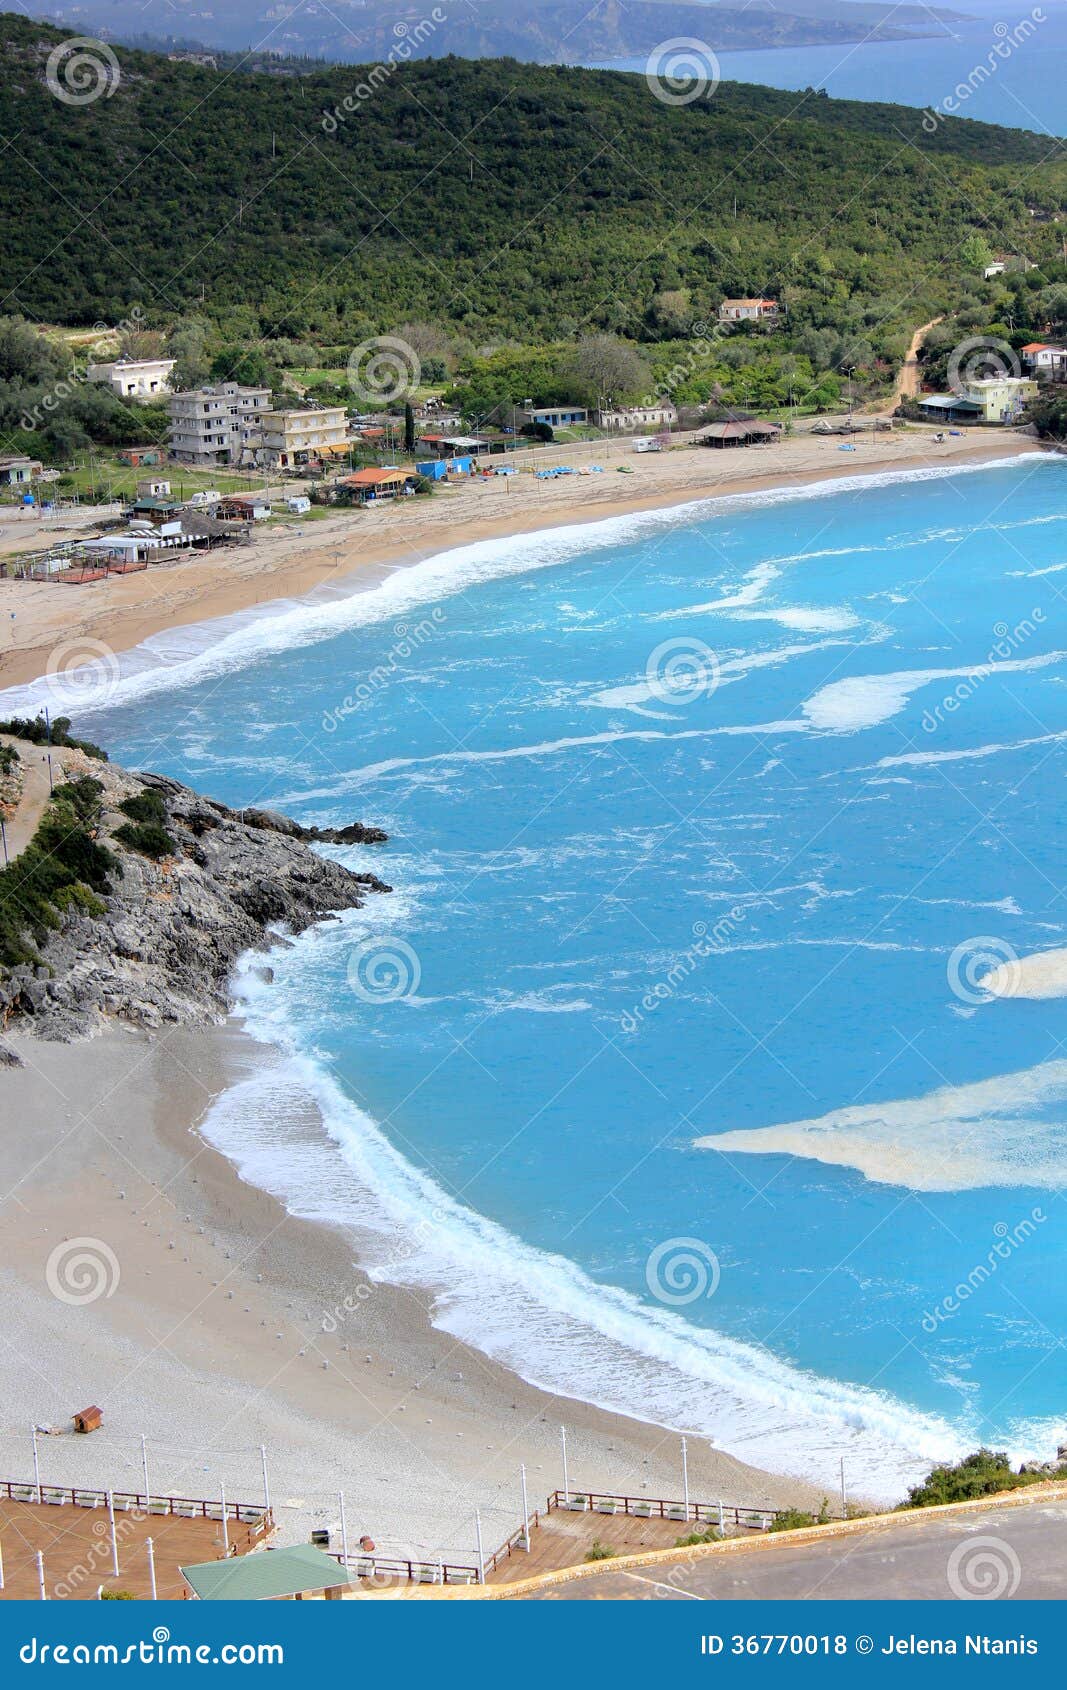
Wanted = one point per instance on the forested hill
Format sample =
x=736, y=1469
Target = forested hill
x=504, y=200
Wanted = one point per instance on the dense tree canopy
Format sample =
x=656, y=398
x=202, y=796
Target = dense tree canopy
x=495, y=200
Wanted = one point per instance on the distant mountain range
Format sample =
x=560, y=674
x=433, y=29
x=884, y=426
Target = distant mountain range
x=538, y=31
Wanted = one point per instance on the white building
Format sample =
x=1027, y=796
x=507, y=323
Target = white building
x=215, y=425
x=638, y=416
x=1045, y=360
x=750, y=311
x=134, y=378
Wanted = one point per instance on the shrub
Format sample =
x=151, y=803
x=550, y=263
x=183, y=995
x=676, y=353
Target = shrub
x=40, y=732
x=145, y=806
x=982, y=1473
x=792, y=1520
x=61, y=868
x=600, y=1551
x=147, y=838
x=711, y=1535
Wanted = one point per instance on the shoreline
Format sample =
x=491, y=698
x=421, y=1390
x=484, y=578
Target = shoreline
x=53, y=629
x=221, y=1317
x=213, y=1329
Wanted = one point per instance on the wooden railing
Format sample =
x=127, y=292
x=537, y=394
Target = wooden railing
x=381, y=1571
x=517, y=1540
x=124, y=1502
x=656, y=1508
x=385, y=1570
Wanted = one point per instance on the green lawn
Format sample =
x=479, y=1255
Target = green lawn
x=123, y=480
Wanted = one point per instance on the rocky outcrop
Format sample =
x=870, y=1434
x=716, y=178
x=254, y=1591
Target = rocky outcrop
x=164, y=948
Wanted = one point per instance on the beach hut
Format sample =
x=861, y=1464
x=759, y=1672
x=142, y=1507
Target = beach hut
x=372, y=484
x=741, y=432
x=246, y=507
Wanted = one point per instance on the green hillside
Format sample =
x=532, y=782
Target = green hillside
x=504, y=202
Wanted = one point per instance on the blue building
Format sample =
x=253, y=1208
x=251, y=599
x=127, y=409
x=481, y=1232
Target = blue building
x=557, y=416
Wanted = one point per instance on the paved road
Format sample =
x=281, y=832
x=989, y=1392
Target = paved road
x=1018, y=1552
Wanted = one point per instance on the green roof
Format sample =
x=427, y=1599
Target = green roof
x=266, y=1574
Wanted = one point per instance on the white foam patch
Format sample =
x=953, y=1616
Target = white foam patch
x=919, y=759
x=535, y=1311
x=865, y=701
x=831, y=620
x=635, y=694
x=958, y=1138
x=1042, y=975
x=184, y=656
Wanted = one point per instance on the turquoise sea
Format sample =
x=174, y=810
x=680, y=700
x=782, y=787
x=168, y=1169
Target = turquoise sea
x=1010, y=61
x=667, y=1066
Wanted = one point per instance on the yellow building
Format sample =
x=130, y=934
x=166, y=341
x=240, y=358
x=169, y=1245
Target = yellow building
x=1001, y=397
x=285, y=439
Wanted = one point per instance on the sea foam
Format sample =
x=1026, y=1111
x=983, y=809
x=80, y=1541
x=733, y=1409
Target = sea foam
x=1007, y=1131
x=533, y=1310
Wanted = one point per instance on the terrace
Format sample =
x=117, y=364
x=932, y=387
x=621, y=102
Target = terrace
x=66, y=1545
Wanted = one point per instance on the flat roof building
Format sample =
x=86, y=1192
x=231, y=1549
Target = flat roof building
x=210, y=426
x=292, y=437
x=134, y=378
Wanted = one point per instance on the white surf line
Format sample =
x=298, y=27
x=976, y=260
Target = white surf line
x=547, y=748
x=164, y=660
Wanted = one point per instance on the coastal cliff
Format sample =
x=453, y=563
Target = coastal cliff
x=161, y=890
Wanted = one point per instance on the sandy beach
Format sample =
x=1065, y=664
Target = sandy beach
x=215, y=1330
x=46, y=626
x=206, y=1317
